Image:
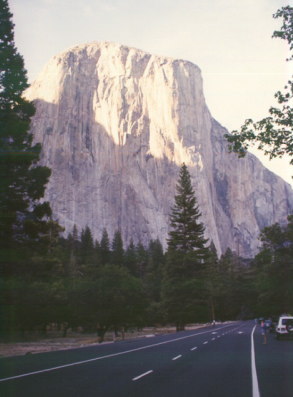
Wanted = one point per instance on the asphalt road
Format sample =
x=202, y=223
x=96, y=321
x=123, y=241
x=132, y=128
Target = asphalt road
x=225, y=360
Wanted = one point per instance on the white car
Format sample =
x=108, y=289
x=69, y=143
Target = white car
x=284, y=327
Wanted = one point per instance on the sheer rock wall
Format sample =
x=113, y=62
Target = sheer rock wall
x=117, y=123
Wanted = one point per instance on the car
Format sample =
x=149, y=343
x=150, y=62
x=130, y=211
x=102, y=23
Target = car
x=284, y=327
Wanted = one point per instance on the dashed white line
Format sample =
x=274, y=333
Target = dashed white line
x=142, y=375
x=194, y=348
x=205, y=343
x=102, y=357
x=176, y=358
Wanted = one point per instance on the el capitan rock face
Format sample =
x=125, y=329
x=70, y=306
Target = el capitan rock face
x=116, y=124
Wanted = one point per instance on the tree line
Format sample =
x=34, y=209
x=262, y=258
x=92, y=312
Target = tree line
x=96, y=285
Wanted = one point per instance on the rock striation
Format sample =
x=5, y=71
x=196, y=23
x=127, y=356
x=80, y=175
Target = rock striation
x=116, y=124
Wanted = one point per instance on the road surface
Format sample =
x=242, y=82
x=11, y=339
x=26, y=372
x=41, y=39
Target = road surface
x=224, y=360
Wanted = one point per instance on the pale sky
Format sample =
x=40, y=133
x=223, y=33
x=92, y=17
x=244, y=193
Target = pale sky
x=242, y=66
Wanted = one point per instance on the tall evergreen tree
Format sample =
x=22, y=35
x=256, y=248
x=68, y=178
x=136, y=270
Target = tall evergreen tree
x=97, y=253
x=105, y=248
x=86, y=246
x=71, y=247
x=117, y=254
x=153, y=276
x=131, y=259
x=153, y=281
x=22, y=182
x=212, y=281
x=141, y=260
x=183, y=286
x=232, y=299
x=187, y=233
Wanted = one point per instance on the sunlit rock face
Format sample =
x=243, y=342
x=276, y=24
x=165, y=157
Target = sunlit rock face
x=116, y=124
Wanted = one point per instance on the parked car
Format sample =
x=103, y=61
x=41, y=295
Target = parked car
x=284, y=327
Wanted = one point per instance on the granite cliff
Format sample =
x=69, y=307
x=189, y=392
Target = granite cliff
x=116, y=124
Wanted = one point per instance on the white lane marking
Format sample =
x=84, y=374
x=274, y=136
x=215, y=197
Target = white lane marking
x=214, y=333
x=205, y=343
x=104, y=357
x=142, y=375
x=213, y=338
x=255, y=388
x=194, y=348
x=176, y=358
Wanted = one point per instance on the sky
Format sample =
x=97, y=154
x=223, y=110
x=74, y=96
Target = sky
x=231, y=41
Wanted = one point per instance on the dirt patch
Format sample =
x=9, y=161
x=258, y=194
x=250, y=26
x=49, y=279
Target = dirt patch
x=46, y=345
x=77, y=340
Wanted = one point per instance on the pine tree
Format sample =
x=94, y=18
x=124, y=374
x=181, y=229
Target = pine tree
x=232, y=297
x=13, y=80
x=183, y=285
x=212, y=281
x=142, y=259
x=105, y=248
x=71, y=251
x=86, y=246
x=131, y=259
x=22, y=185
x=97, y=253
x=153, y=281
x=153, y=277
x=187, y=232
x=117, y=254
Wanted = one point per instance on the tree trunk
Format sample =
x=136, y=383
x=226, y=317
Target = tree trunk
x=101, y=333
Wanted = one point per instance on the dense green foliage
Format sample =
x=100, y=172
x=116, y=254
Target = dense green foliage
x=24, y=221
x=273, y=134
x=273, y=268
x=73, y=287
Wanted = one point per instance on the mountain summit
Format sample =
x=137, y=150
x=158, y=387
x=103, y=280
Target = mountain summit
x=116, y=124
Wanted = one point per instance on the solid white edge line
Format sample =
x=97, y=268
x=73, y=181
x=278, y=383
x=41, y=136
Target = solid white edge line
x=176, y=358
x=255, y=388
x=142, y=375
x=107, y=356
